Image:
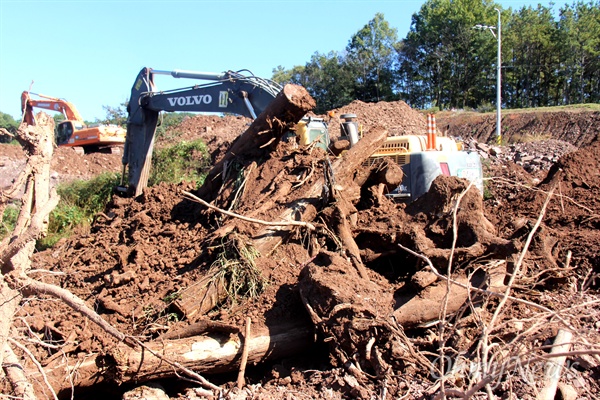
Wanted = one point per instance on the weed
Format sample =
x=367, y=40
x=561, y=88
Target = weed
x=9, y=219
x=486, y=107
x=235, y=265
x=79, y=202
x=172, y=297
x=185, y=161
x=173, y=317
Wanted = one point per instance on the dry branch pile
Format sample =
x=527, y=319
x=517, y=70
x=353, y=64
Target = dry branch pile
x=448, y=296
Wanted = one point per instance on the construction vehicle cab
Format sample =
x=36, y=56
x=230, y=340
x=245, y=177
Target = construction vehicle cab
x=312, y=130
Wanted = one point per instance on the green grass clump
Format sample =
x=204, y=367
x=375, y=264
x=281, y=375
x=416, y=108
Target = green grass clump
x=9, y=219
x=79, y=203
x=236, y=267
x=185, y=161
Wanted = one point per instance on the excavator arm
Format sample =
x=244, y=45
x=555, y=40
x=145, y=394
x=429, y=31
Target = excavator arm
x=48, y=103
x=228, y=92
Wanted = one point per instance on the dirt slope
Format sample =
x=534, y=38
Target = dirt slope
x=145, y=251
x=579, y=128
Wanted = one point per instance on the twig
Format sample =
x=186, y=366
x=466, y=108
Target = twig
x=30, y=285
x=444, y=310
x=313, y=315
x=514, y=183
x=45, y=271
x=16, y=374
x=484, y=342
x=568, y=259
x=554, y=367
x=307, y=225
x=244, y=361
x=312, y=169
x=241, y=187
x=36, y=363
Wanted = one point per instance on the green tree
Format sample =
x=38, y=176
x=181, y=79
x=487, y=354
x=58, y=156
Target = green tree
x=115, y=115
x=329, y=81
x=579, y=38
x=284, y=76
x=443, y=61
x=10, y=124
x=530, y=57
x=371, y=56
x=58, y=118
x=325, y=77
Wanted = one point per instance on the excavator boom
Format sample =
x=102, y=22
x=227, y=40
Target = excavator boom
x=228, y=92
x=48, y=103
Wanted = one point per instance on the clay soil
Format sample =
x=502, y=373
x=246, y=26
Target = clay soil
x=141, y=255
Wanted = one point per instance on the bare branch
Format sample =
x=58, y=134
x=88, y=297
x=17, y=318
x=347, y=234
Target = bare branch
x=307, y=225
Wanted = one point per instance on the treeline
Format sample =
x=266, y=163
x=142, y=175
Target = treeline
x=549, y=57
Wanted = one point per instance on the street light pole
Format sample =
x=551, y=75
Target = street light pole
x=499, y=83
x=498, y=74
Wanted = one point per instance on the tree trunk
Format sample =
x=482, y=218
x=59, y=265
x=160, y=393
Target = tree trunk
x=290, y=105
x=214, y=353
x=15, y=254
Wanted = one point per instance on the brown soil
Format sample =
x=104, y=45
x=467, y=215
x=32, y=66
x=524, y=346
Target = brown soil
x=141, y=253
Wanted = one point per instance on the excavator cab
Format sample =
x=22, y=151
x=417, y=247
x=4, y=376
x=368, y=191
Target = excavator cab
x=63, y=132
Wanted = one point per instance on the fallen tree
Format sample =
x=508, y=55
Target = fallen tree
x=213, y=352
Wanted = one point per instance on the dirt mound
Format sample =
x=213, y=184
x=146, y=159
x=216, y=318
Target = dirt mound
x=67, y=165
x=571, y=216
x=396, y=116
x=366, y=277
x=579, y=128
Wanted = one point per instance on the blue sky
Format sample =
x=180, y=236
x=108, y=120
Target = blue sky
x=90, y=52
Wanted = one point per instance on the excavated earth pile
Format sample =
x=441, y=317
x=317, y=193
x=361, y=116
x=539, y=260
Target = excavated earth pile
x=361, y=297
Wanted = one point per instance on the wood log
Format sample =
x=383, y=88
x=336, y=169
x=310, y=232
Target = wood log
x=290, y=105
x=37, y=203
x=425, y=306
x=212, y=353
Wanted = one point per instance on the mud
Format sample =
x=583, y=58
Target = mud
x=142, y=254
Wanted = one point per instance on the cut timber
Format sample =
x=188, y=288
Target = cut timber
x=212, y=353
x=290, y=105
x=426, y=306
x=202, y=296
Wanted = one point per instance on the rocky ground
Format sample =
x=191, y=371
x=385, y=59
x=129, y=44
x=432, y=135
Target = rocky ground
x=384, y=333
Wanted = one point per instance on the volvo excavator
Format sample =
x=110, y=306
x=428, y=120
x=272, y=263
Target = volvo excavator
x=240, y=92
x=73, y=132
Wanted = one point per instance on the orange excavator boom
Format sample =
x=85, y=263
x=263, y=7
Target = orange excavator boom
x=48, y=103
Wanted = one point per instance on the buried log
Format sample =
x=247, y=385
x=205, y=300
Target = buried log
x=213, y=353
x=414, y=306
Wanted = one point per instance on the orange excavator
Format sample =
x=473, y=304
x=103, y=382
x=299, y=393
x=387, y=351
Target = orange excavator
x=73, y=132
